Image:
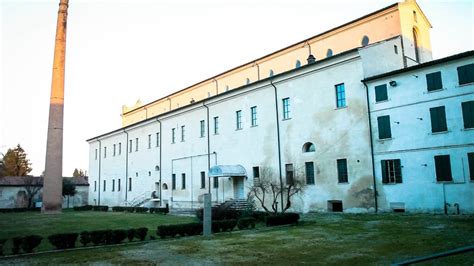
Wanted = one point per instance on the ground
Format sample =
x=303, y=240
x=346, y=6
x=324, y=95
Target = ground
x=318, y=239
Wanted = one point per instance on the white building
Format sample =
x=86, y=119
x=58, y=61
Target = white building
x=309, y=121
x=422, y=120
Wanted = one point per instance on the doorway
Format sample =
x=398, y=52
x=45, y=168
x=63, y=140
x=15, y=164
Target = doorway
x=238, y=182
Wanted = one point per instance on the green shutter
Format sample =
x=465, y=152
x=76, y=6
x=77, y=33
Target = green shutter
x=438, y=119
x=470, y=160
x=384, y=171
x=398, y=171
x=385, y=131
x=466, y=74
x=434, y=81
x=381, y=93
x=468, y=114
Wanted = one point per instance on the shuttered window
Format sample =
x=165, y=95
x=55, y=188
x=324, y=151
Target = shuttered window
x=309, y=167
x=466, y=74
x=173, y=181
x=433, y=81
x=289, y=173
x=203, y=179
x=342, y=171
x=385, y=131
x=470, y=160
x=381, y=93
x=438, y=119
x=468, y=114
x=183, y=181
x=443, y=168
x=391, y=171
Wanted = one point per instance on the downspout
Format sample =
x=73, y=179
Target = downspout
x=208, y=149
x=217, y=86
x=159, y=142
x=100, y=157
x=371, y=148
x=258, y=69
x=126, y=168
x=279, y=145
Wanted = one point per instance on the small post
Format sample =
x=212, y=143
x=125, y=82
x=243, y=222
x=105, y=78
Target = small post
x=207, y=219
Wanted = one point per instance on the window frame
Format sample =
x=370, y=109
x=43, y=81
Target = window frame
x=203, y=179
x=202, y=128
x=136, y=144
x=216, y=125
x=434, y=81
x=182, y=133
x=438, y=120
x=381, y=93
x=309, y=173
x=462, y=70
x=441, y=170
x=286, y=108
x=342, y=171
x=391, y=171
x=238, y=119
x=253, y=115
x=173, y=181
x=468, y=109
x=340, y=90
x=183, y=181
x=289, y=173
x=384, y=133
x=173, y=135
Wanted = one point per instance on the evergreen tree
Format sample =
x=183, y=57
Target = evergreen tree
x=15, y=163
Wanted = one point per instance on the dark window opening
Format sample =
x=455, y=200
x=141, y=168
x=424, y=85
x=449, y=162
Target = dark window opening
x=289, y=174
x=438, y=119
x=342, y=175
x=173, y=181
x=466, y=74
x=335, y=206
x=130, y=184
x=468, y=114
x=433, y=81
x=183, y=181
x=391, y=171
x=309, y=147
x=309, y=167
x=329, y=53
x=365, y=40
x=443, y=168
x=104, y=185
x=256, y=175
x=203, y=179
x=383, y=123
x=470, y=160
x=381, y=93
x=216, y=182
x=415, y=43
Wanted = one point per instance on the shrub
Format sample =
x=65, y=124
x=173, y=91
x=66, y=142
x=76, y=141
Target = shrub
x=16, y=244
x=98, y=237
x=118, y=209
x=2, y=243
x=160, y=210
x=223, y=225
x=83, y=208
x=220, y=213
x=102, y=208
x=85, y=238
x=141, y=232
x=190, y=229
x=29, y=243
x=281, y=219
x=10, y=210
x=141, y=209
x=260, y=216
x=63, y=241
x=117, y=236
x=167, y=230
x=247, y=222
x=131, y=234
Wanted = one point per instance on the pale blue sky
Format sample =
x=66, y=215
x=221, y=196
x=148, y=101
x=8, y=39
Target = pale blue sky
x=119, y=51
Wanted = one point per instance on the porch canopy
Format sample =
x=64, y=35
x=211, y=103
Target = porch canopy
x=227, y=170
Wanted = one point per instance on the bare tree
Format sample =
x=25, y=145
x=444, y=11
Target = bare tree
x=32, y=186
x=267, y=190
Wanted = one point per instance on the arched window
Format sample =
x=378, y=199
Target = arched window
x=165, y=186
x=365, y=40
x=415, y=43
x=329, y=53
x=309, y=147
x=247, y=81
x=298, y=63
x=157, y=168
x=271, y=73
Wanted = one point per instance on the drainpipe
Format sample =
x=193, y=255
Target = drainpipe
x=258, y=69
x=217, y=86
x=208, y=149
x=371, y=148
x=159, y=142
x=100, y=157
x=278, y=140
x=126, y=167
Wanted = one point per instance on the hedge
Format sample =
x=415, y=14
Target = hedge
x=223, y=225
x=164, y=210
x=102, y=208
x=220, y=213
x=281, y=219
x=26, y=243
x=189, y=229
x=247, y=222
x=2, y=242
x=85, y=238
x=83, y=208
x=63, y=241
x=10, y=210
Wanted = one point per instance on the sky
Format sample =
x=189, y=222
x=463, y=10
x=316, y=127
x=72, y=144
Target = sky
x=119, y=51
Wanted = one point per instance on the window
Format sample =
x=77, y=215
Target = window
x=340, y=95
x=183, y=181
x=271, y=73
x=96, y=154
x=120, y=148
x=415, y=44
x=216, y=182
x=182, y=133
x=329, y=53
x=157, y=139
x=253, y=113
x=95, y=185
x=443, y=168
x=105, y=183
x=433, y=81
x=114, y=150
x=309, y=167
x=309, y=147
x=203, y=179
x=130, y=184
x=342, y=171
x=105, y=152
x=470, y=161
x=118, y=185
x=289, y=173
x=385, y=131
x=173, y=181
x=286, y=108
x=391, y=171
x=202, y=127
x=381, y=93
x=468, y=114
x=298, y=64
x=466, y=74
x=238, y=119
x=216, y=125
x=113, y=184
x=149, y=141
x=136, y=144
x=365, y=40
x=130, y=149
x=256, y=175
x=395, y=49
x=173, y=135
x=438, y=119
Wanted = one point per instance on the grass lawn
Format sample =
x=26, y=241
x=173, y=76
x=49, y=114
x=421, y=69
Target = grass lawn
x=318, y=239
x=29, y=223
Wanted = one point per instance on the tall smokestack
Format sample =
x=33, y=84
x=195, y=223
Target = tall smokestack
x=53, y=176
